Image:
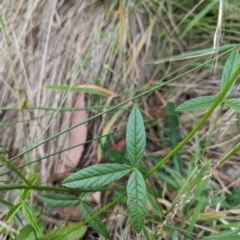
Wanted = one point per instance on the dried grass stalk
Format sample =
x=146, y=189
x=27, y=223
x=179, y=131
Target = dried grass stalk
x=65, y=42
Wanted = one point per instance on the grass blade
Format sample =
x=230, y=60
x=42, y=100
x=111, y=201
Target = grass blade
x=95, y=223
x=173, y=135
x=91, y=89
x=198, y=17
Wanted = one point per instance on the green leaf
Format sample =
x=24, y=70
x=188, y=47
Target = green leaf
x=97, y=175
x=135, y=137
x=197, y=18
x=95, y=223
x=225, y=234
x=13, y=211
x=26, y=192
x=175, y=235
x=156, y=207
x=147, y=235
x=27, y=232
x=59, y=200
x=198, y=103
x=195, y=213
x=137, y=199
x=28, y=214
x=72, y=231
x=230, y=67
x=233, y=103
x=173, y=135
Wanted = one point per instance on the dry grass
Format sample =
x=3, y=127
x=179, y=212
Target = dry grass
x=64, y=42
x=108, y=43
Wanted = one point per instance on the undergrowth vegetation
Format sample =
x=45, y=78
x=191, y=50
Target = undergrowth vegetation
x=119, y=120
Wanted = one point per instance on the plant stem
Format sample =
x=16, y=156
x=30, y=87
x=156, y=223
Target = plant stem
x=10, y=166
x=116, y=106
x=199, y=124
x=96, y=214
x=47, y=188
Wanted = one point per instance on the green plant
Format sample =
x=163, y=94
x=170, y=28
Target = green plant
x=108, y=48
x=227, y=84
x=101, y=175
x=97, y=177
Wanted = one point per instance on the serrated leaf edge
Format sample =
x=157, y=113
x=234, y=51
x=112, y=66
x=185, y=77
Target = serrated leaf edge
x=132, y=200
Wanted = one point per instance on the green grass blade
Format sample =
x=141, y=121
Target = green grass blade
x=118, y=105
x=198, y=17
x=195, y=214
x=147, y=235
x=173, y=135
x=154, y=203
x=96, y=222
x=228, y=234
x=191, y=54
x=13, y=168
